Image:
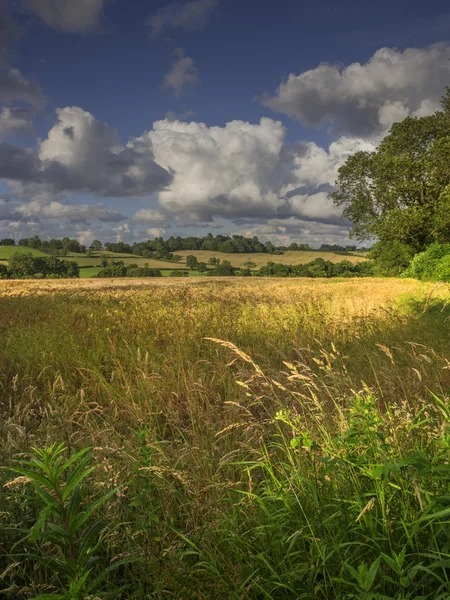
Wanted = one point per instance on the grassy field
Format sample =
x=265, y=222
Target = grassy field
x=7, y=251
x=249, y=439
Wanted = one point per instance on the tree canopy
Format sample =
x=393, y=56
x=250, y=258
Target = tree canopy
x=401, y=191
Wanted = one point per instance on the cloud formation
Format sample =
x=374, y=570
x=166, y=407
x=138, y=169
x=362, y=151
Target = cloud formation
x=15, y=120
x=219, y=171
x=190, y=16
x=14, y=87
x=68, y=15
x=183, y=73
x=148, y=215
x=362, y=99
x=82, y=154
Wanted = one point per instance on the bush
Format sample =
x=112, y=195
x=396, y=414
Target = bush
x=179, y=274
x=425, y=265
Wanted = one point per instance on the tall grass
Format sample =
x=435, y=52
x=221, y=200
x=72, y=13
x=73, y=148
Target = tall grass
x=249, y=440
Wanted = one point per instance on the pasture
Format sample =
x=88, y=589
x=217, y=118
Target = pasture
x=248, y=439
x=7, y=251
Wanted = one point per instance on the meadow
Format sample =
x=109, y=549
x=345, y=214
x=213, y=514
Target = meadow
x=227, y=439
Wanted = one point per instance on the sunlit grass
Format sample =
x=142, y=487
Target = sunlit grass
x=266, y=438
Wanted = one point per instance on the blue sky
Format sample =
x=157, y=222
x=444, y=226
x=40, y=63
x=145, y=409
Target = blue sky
x=199, y=75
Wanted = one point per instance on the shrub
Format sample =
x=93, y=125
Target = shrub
x=179, y=273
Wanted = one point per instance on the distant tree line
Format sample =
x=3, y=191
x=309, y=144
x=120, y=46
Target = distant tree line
x=166, y=249
x=54, y=246
x=316, y=268
x=23, y=265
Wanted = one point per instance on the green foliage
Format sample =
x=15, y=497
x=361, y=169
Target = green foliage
x=120, y=269
x=399, y=192
x=234, y=479
x=431, y=265
x=191, y=262
x=22, y=265
x=225, y=269
x=96, y=245
x=318, y=268
x=67, y=534
x=391, y=258
x=179, y=273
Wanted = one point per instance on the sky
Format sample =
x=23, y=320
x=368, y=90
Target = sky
x=133, y=119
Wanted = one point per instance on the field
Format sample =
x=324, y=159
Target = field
x=248, y=439
x=7, y=251
x=90, y=265
x=290, y=257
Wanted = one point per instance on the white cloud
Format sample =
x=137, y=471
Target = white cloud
x=363, y=99
x=191, y=16
x=82, y=154
x=226, y=171
x=68, y=15
x=182, y=73
x=155, y=232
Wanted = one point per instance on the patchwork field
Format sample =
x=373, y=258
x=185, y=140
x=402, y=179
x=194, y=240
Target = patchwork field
x=249, y=439
x=90, y=265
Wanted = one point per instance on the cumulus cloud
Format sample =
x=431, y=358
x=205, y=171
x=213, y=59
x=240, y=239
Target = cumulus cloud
x=14, y=87
x=182, y=73
x=148, y=215
x=361, y=99
x=219, y=171
x=15, y=120
x=191, y=16
x=68, y=15
x=82, y=154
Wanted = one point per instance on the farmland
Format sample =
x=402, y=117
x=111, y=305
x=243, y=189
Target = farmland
x=249, y=438
x=7, y=251
x=289, y=257
x=91, y=265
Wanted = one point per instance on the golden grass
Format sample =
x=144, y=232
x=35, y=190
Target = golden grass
x=290, y=257
x=195, y=395
x=343, y=293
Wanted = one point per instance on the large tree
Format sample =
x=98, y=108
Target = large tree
x=401, y=191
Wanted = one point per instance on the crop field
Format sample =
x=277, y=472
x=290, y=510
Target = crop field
x=290, y=257
x=243, y=439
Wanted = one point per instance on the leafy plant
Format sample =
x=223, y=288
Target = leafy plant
x=68, y=535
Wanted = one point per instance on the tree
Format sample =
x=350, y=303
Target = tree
x=391, y=257
x=191, y=262
x=249, y=265
x=7, y=242
x=96, y=245
x=401, y=190
x=202, y=267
